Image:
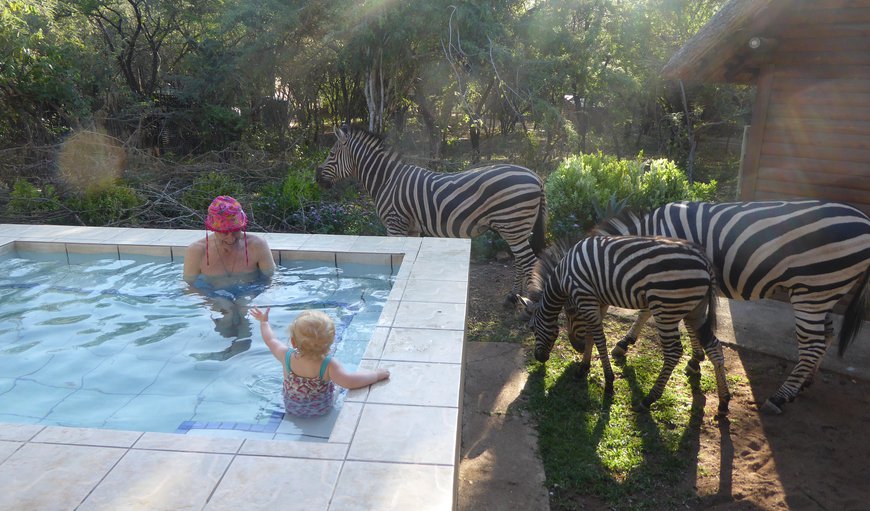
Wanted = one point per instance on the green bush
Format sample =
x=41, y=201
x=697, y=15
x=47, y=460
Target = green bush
x=113, y=204
x=587, y=188
x=331, y=218
x=26, y=199
x=277, y=202
x=208, y=186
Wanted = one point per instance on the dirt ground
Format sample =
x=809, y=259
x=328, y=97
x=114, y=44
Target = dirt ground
x=815, y=456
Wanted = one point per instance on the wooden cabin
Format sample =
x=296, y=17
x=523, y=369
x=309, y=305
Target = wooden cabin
x=810, y=63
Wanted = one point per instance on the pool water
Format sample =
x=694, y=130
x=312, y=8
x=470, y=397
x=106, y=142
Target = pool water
x=125, y=344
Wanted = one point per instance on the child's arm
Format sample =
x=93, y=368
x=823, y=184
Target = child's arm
x=357, y=379
x=278, y=349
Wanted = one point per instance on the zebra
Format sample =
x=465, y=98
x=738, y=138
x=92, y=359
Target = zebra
x=815, y=251
x=673, y=279
x=412, y=200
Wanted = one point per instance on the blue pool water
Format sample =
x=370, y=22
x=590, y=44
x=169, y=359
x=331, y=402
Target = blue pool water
x=124, y=343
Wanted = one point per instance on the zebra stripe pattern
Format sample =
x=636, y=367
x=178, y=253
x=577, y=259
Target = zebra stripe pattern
x=814, y=251
x=672, y=279
x=412, y=200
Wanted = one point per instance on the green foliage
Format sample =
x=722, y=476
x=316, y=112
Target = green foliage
x=208, y=186
x=331, y=218
x=586, y=188
x=27, y=199
x=109, y=205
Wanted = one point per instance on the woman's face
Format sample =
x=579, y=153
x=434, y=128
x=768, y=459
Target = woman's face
x=228, y=238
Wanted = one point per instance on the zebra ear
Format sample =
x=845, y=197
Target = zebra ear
x=528, y=308
x=341, y=133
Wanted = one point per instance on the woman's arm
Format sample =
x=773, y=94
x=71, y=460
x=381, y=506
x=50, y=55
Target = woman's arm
x=354, y=380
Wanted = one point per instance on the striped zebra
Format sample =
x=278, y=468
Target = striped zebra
x=673, y=279
x=412, y=200
x=814, y=251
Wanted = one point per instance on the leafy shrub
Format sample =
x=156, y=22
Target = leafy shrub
x=332, y=218
x=108, y=205
x=277, y=202
x=27, y=199
x=208, y=186
x=587, y=188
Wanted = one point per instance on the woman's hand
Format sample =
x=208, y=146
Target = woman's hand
x=261, y=316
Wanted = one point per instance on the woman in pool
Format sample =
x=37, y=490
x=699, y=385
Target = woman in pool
x=231, y=256
x=309, y=373
x=230, y=267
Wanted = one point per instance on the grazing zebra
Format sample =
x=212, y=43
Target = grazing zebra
x=815, y=251
x=412, y=200
x=673, y=279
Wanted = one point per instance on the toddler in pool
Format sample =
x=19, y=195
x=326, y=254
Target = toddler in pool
x=310, y=374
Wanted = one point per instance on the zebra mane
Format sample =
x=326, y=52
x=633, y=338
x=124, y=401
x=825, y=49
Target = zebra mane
x=615, y=225
x=548, y=259
x=372, y=138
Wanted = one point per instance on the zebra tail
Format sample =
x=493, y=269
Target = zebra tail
x=538, y=240
x=707, y=332
x=854, y=316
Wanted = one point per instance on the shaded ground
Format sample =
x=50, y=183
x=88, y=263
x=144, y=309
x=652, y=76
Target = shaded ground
x=816, y=456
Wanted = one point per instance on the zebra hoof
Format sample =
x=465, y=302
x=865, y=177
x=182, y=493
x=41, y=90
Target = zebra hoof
x=770, y=408
x=617, y=353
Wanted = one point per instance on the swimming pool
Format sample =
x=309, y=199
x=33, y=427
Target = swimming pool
x=118, y=341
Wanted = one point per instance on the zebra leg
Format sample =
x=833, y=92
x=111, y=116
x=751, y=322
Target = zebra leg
x=580, y=340
x=630, y=338
x=829, y=338
x=810, y=327
x=705, y=341
x=601, y=344
x=693, y=366
x=524, y=264
x=672, y=349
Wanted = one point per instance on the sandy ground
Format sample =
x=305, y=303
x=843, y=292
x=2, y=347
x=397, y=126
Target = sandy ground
x=816, y=456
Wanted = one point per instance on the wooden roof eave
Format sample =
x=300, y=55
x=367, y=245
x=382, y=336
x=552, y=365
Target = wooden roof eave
x=719, y=52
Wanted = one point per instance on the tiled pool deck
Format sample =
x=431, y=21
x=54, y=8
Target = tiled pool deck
x=394, y=446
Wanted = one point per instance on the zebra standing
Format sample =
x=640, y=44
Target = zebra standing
x=815, y=251
x=412, y=200
x=673, y=279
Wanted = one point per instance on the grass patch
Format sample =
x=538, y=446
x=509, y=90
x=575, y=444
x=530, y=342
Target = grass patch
x=598, y=446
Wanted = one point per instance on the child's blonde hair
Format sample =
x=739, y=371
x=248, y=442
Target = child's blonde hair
x=313, y=332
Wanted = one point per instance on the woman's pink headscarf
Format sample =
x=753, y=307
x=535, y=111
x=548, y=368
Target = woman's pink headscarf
x=225, y=214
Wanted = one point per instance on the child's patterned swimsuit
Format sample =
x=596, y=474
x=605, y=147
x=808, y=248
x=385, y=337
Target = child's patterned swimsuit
x=307, y=397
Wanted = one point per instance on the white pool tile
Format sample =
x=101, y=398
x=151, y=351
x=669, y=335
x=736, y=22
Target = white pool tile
x=330, y=243
x=53, y=476
x=376, y=344
x=425, y=290
x=88, y=436
x=146, y=250
x=177, y=442
x=448, y=316
x=424, y=345
x=7, y=448
x=147, y=480
x=345, y=426
x=379, y=244
x=407, y=434
x=314, y=450
x=365, y=486
x=261, y=482
x=419, y=384
x=284, y=241
x=436, y=269
x=19, y=432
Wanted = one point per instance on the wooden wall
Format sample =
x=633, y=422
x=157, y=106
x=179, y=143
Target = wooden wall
x=810, y=134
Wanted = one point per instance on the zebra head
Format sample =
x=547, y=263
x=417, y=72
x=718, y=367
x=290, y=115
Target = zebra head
x=339, y=164
x=546, y=330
